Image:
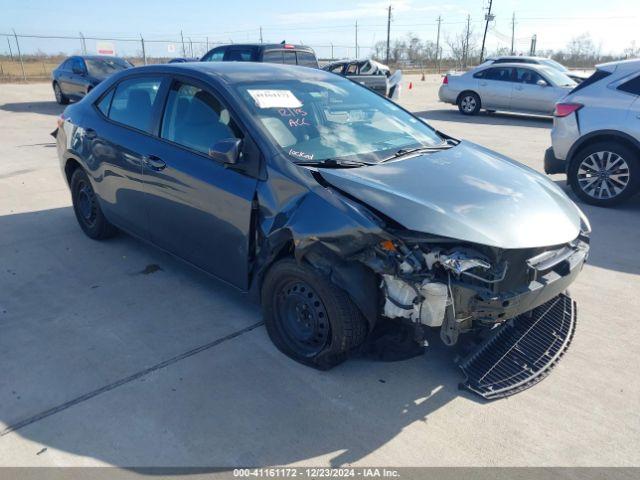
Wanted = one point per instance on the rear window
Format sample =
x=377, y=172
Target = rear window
x=273, y=56
x=631, y=86
x=307, y=59
x=596, y=77
x=239, y=55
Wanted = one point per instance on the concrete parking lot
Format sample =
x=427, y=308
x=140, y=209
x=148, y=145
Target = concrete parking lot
x=113, y=353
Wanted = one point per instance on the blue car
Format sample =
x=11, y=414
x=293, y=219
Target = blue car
x=335, y=207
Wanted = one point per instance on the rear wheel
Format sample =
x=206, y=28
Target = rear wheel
x=469, y=103
x=604, y=174
x=86, y=207
x=61, y=98
x=308, y=318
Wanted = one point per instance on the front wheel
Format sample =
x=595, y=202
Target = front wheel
x=309, y=318
x=604, y=174
x=469, y=103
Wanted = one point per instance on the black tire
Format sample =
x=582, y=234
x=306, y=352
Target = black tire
x=469, y=103
x=61, y=98
x=308, y=318
x=605, y=173
x=87, y=209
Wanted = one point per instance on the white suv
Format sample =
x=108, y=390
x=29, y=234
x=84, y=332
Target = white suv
x=596, y=135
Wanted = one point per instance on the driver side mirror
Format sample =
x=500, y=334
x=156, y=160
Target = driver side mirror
x=541, y=83
x=226, y=151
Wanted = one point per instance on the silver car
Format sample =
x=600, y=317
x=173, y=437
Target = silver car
x=573, y=74
x=596, y=135
x=511, y=86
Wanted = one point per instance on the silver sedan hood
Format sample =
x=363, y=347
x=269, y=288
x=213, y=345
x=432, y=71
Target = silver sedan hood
x=468, y=193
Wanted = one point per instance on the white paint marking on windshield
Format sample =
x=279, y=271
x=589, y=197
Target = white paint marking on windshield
x=275, y=99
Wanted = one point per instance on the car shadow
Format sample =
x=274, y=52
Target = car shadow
x=614, y=237
x=43, y=108
x=79, y=316
x=497, y=118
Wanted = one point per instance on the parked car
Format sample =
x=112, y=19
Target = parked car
x=183, y=60
x=77, y=75
x=596, y=135
x=333, y=205
x=286, y=53
x=371, y=74
x=576, y=76
x=512, y=87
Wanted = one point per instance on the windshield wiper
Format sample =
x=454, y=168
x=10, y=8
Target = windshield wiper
x=408, y=151
x=333, y=163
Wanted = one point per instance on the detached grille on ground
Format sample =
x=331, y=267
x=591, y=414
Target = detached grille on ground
x=522, y=351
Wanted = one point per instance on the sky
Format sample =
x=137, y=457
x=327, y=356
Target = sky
x=613, y=25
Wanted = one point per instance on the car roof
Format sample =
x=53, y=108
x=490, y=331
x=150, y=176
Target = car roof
x=268, y=46
x=622, y=65
x=240, y=72
x=533, y=66
x=517, y=57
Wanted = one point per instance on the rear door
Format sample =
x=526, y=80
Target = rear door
x=116, y=140
x=198, y=208
x=632, y=88
x=495, y=87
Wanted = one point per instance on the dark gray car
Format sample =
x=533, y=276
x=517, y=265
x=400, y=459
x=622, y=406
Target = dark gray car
x=336, y=207
x=77, y=75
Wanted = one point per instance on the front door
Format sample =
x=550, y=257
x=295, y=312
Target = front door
x=198, y=208
x=529, y=96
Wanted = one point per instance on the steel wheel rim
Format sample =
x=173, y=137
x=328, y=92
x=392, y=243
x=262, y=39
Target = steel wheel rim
x=603, y=175
x=302, y=318
x=468, y=103
x=57, y=92
x=86, y=203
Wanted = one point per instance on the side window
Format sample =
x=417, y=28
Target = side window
x=215, y=55
x=238, y=55
x=105, y=102
x=77, y=64
x=66, y=65
x=133, y=101
x=631, y=86
x=195, y=119
x=530, y=77
x=289, y=57
x=352, y=69
x=503, y=74
x=482, y=74
x=307, y=59
x=337, y=68
x=273, y=56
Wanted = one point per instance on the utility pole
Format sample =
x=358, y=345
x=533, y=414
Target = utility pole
x=438, y=45
x=144, y=51
x=488, y=17
x=534, y=40
x=83, y=44
x=465, y=53
x=513, y=31
x=261, y=34
x=388, y=32
x=332, y=57
x=184, y=53
x=10, y=51
x=356, y=39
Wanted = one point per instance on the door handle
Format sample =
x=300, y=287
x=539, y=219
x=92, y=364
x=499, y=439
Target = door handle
x=155, y=163
x=90, y=133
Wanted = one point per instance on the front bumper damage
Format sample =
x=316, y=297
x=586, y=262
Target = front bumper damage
x=515, y=298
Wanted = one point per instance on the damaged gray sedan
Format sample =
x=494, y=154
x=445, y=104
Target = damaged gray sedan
x=336, y=207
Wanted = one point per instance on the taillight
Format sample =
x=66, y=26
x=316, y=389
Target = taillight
x=288, y=46
x=564, y=109
x=445, y=80
x=61, y=120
